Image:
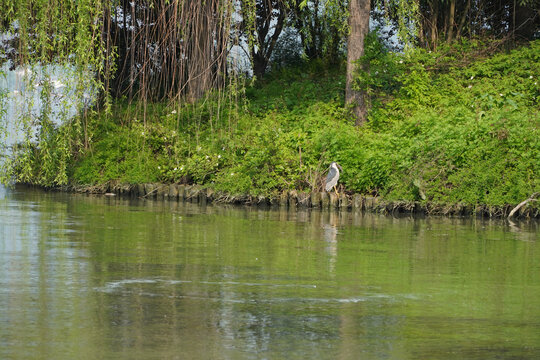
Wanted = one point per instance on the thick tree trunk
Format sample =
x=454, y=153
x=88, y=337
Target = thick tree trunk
x=359, y=27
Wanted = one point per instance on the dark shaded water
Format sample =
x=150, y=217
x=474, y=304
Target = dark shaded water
x=108, y=278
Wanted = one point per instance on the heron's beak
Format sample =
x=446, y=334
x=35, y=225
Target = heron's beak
x=339, y=166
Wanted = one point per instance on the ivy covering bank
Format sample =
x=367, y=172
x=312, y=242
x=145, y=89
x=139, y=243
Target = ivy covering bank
x=459, y=125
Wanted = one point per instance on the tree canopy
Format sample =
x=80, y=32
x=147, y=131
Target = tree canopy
x=170, y=48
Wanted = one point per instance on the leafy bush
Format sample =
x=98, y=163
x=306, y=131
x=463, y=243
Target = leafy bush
x=457, y=125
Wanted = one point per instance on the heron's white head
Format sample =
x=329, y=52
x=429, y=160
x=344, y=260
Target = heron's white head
x=334, y=165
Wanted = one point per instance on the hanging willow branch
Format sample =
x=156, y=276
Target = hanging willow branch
x=143, y=50
x=168, y=49
x=38, y=36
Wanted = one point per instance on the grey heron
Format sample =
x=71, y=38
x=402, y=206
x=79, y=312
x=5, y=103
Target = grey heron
x=332, y=177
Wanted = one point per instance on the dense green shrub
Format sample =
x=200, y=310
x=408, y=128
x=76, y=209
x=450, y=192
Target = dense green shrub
x=457, y=125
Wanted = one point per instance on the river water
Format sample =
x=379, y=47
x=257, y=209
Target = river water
x=89, y=277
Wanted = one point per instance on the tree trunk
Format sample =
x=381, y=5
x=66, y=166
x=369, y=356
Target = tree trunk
x=451, y=20
x=459, y=30
x=434, y=29
x=359, y=27
x=260, y=63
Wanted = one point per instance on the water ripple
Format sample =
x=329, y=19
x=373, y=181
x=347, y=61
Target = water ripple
x=122, y=287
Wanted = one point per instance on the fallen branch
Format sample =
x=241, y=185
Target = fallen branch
x=521, y=204
x=150, y=193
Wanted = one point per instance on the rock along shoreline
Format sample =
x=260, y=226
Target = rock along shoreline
x=296, y=199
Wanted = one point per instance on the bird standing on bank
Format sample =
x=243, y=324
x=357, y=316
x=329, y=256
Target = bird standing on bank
x=332, y=177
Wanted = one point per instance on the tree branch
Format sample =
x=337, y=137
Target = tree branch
x=523, y=203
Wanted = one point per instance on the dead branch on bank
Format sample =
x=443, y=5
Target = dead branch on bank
x=523, y=203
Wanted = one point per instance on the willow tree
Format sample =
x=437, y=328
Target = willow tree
x=142, y=50
x=36, y=35
x=147, y=50
x=169, y=49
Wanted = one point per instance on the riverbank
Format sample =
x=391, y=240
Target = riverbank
x=455, y=131
x=294, y=200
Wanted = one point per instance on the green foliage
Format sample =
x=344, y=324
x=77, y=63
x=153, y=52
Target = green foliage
x=466, y=129
x=443, y=127
x=321, y=28
x=380, y=71
x=42, y=36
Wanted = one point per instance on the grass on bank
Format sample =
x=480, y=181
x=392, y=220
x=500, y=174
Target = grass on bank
x=460, y=125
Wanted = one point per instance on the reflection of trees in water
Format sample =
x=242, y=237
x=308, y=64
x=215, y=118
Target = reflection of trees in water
x=43, y=276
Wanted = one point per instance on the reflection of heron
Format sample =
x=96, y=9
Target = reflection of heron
x=332, y=177
x=330, y=233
